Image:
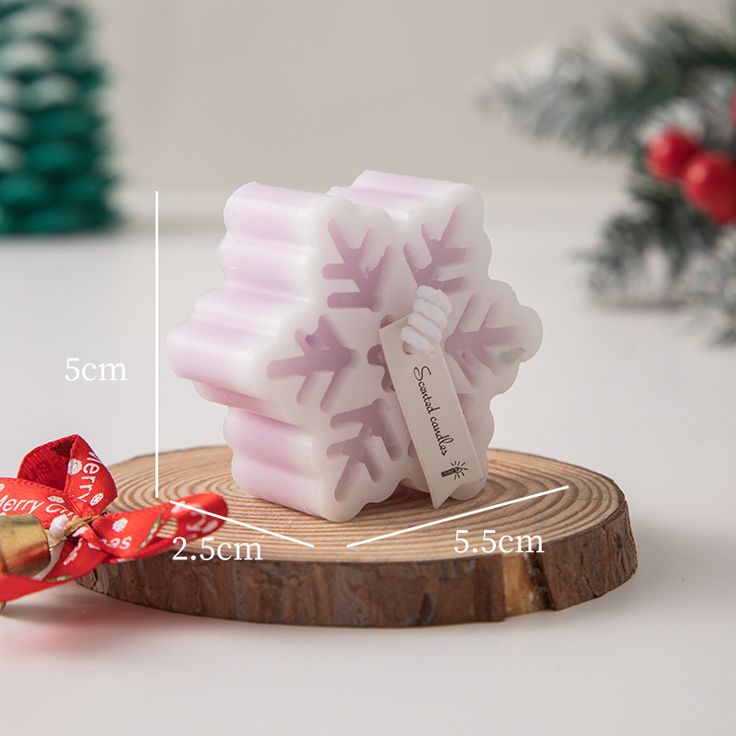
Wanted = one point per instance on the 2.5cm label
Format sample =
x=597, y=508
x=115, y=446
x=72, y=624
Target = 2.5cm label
x=224, y=551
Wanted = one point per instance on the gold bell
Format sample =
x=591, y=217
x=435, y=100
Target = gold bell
x=24, y=546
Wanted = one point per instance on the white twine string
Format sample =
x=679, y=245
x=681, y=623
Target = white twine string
x=427, y=321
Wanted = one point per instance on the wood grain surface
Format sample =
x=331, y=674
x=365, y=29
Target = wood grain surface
x=412, y=579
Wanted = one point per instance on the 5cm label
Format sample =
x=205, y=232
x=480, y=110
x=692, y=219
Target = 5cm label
x=490, y=543
x=76, y=370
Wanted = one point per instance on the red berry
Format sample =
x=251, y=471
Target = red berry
x=668, y=153
x=709, y=181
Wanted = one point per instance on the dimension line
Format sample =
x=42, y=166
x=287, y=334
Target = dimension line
x=244, y=524
x=156, y=336
x=456, y=516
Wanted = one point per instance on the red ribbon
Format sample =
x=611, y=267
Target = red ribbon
x=65, y=478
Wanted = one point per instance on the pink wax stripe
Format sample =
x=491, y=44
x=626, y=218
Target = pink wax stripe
x=408, y=186
x=271, y=213
x=205, y=351
x=269, y=266
x=246, y=310
x=233, y=400
x=270, y=441
x=395, y=204
x=273, y=482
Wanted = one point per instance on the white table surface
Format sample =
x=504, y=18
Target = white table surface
x=635, y=395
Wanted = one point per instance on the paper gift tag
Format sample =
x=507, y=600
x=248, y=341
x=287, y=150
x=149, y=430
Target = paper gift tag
x=433, y=415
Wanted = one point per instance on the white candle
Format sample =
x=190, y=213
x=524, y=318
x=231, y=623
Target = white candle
x=290, y=342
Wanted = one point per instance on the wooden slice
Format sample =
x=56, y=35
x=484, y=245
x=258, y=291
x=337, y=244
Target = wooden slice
x=413, y=579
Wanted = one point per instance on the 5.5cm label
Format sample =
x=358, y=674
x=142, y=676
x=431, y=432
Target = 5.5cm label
x=490, y=542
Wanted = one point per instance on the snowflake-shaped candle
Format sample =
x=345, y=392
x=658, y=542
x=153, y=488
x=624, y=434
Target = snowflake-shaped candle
x=291, y=341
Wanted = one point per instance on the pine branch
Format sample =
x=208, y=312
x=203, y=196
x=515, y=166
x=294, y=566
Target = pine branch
x=598, y=104
x=676, y=72
x=713, y=290
x=658, y=218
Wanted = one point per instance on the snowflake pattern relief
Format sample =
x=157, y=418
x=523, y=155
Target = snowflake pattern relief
x=314, y=420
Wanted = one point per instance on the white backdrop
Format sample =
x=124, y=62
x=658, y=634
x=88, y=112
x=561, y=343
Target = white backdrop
x=219, y=92
x=212, y=93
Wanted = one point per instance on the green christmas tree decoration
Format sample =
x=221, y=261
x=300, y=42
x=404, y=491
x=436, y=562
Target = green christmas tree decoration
x=54, y=150
x=662, y=97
